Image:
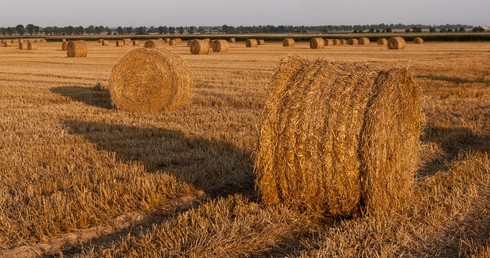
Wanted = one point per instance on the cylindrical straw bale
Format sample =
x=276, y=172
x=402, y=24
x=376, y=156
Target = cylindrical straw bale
x=328, y=42
x=199, y=47
x=288, y=42
x=352, y=42
x=251, y=43
x=120, y=43
x=136, y=43
x=127, y=41
x=382, y=42
x=418, y=40
x=154, y=44
x=150, y=81
x=338, y=138
x=260, y=42
x=317, y=43
x=106, y=43
x=31, y=46
x=364, y=41
x=64, y=46
x=231, y=40
x=76, y=49
x=396, y=43
x=220, y=46
x=22, y=45
x=343, y=41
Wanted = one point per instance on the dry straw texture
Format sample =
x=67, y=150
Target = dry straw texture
x=166, y=40
x=343, y=41
x=418, y=40
x=337, y=136
x=150, y=81
x=64, y=46
x=288, y=42
x=200, y=47
x=99, y=40
x=328, y=42
x=220, y=46
x=251, y=43
x=6, y=44
x=336, y=42
x=382, y=42
x=173, y=42
x=76, y=49
x=352, y=42
x=154, y=44
x=317, y=43
x=396, y=43
x=22, y=45
x=364, y=41
x=106, y=43
x=120, y=43
x=127, y=41
x=31, y=46
x=260, y=42
x=136, y=43
x=231, y=40
x=189, y=42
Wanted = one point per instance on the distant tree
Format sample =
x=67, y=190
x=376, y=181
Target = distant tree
x=90, y=29
x=10, y=31
x=3, y=31
x=69, y=30
x=371, y=30
x=478, y=29
x=378, y=31
x=417, y=29
x=128, y=30
x=120, y=30
x=461, y=29
x=142, y=30
x=192, y=29
x=443, y=30
x=355, y=31
x=30, y=28
x=449, y=30
x=171, y=30
x=201, y=30
x=432, y=29
x=389, y=30
x=99, y=29
x=160, y=30
x=181, y=30
x=407, y=30
x=20, y=29
x=108, y=30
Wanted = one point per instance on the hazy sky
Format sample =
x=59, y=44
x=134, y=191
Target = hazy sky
x=243, y=12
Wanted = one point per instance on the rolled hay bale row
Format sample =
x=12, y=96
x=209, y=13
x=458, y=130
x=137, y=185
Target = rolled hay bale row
x=352, y=42
x=154, y=43
x=127, y=41
x=220, y=46
x=251, y=43
x=343, y=41
x=382, y=42
x=136, y=43
x=31, y=46
x=149, y=81
x=105, y=43
x=64, y=46
x=396, y=43
x=317, y=43
x=260, y=42
x=336, y=42
x=338, y=138
x=200, y=47
x=76, y=49
x=288, y=42
x=364, y=41
x=120, y=43
x=328, y=42
x=231, y=40
x=418, y=40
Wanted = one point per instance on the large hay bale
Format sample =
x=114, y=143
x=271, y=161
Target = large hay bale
x=418, y=40
x=31, y=46
x=200, y=47
x=317, y=43
x=189, y=42
x=154, y=44
x=364, y=41
x=338, y=138
x=120, y=43
x=352, y=42
x=382, y=42
x=231, y=40
x=136, y=43
x=149, y=81
x=64, y=46
x=106, y=43
x=288, y=42
x=251, y=43
x=76, y=49
x=396, y=43
x=220, y=46
x=260, y=42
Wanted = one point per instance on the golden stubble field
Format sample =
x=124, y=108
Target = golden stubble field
x=78, y=178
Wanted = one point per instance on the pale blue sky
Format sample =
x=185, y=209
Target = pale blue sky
x=247, y=12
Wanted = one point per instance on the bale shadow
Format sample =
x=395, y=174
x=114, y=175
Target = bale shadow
x=217, y=168
x=451, y=79
x=93, y=96
x=452, y=141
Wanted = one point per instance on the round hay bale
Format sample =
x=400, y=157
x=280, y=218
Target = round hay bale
x=106, y=43
x=12, y=41
x=364, y=41
x=154, y=44
x=127, y=41
x=418, y=40
x=288, y=42
x=199, y=47
x=99, y=40
x=260, y=42
x=136, y=43
x=231, y=40
x=220, y=46
x=120, y=43
x=317, y=43
x=173, y=42
x=328, y=42
x=352, y=42
x=336, y=42
x=251, y=43
x=31, y=46
x=189, y=42
x=166, y=40
x=149, y=81
x=64, y=46
x=329, y=142
x=76, y=49
x=22, y=45
x=396, y=43
x=343, y=41
x=6, y=44
x=382, y=42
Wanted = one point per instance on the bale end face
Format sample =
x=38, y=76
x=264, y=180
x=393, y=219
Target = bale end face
x=220, y=46
x=396, y=43
x=418, y=40
x=200, y=47
x=288, y=42
x=317, y=43
x=251, y=43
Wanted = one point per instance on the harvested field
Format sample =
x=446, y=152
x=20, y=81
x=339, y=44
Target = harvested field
x=80, y=178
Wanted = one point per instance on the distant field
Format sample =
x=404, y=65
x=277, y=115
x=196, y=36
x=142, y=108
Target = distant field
x=80, y=178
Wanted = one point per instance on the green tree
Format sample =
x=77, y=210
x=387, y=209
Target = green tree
x=20, y=29
x=181, y=30
x=192, y=29
x=30, y=28
x=171, y=30
x=120, y=30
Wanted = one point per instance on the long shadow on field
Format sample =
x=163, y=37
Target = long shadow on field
x=451, y=79
x=92, y=96
x=452, y=141
x=218, y=168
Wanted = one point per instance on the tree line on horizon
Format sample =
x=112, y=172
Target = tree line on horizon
x=31, y=29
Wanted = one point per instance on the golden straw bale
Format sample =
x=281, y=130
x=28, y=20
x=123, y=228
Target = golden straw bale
x=288, y=42
x=260, y=42
x=317, y=43
x=136, y=43
x=396, y=43
x=382, y=42
x=120, y=43
x=64, y=46
x=127, y=41
x=99, y=40
x=352, y=42
x=149, y=81
x=166, y=40
x=338, y=138
x=6, y=44
x=343, y=41
x=22, y=45
x=154, y=44
x=200, y=47
x=336, y=42
x=106, y=43
x=189, y=42
x=251, y=43
x=12, y=41
x=418, y=40
x=231, y=40
x=220, y=46
x=31, y=46
x=173, y=42
x=76, y=49
x=328, y=42
x=364, y=41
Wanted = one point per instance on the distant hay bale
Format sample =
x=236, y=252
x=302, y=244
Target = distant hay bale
x=260, y=42
x=173, y=42
x=127, y=41
x=364, y=41
x=189, y=42
x=177, y=40
x=136, y=43
x=418, y=40
x=288, y=42
x=6, y=44
x=231, y=40
x=106, y=43
x=31, y=46
x=343, y=41
x=328, y=42
x=382, y=42
x=251, y=43
x=352, y=42
x=120, y=43
x=64, y=46
x=22, y=45
x=76, y=49
x=200, y=47
x=149, y=81
x=166, y=40
x=12, y=41
x=99, y=40
x=396, y=43
x=154, y=44
x=331, y=144
x=220, y=46
x=336, y=42
x=317, y=43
